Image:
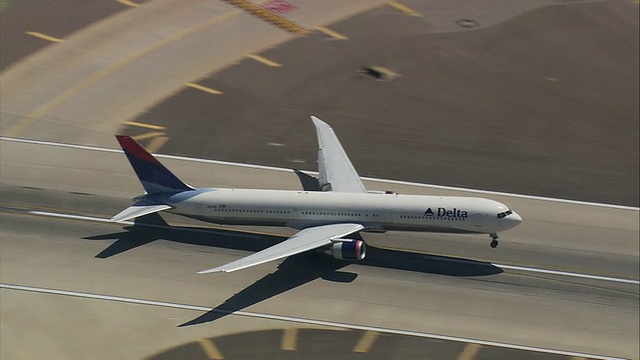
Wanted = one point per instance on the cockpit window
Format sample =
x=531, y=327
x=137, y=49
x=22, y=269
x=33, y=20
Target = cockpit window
x=504, y=213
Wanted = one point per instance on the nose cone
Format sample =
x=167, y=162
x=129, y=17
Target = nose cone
x=512, y=220
x=516, y=217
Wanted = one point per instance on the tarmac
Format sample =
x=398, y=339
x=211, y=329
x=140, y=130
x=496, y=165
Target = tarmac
x=537, y=98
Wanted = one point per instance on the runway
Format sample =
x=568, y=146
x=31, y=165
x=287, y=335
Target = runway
x=408, y=284
x=537, y=97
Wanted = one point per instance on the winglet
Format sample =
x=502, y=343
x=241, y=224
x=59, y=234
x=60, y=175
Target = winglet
x=336, y=173
x=155, y=178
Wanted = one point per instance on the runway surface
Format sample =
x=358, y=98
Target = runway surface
x=539, y=98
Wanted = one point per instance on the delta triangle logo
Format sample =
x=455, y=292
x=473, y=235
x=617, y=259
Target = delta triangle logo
x=446, y=213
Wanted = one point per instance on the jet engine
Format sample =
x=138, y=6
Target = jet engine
x=353, y=250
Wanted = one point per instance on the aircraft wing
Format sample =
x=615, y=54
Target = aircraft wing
x=137, y=210
x=334, y=167
x=307, y=239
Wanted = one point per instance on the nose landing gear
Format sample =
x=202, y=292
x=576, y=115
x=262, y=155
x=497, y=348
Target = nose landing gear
x=494, y=241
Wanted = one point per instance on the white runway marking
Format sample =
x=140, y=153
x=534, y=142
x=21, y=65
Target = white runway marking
x=440, y=187
x=502, y=266
x=296, y=319
x=564, y=273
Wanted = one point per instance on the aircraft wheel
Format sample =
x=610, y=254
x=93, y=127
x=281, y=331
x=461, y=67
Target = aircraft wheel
x=494, y=243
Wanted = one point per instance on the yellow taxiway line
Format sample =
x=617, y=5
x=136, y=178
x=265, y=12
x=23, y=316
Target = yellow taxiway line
x=264, y=60
x=366, y=342
x=43, y=36
x=331, y=33
x=289, y=339
x=210, y=349
x=147, y=135
x=157, y=143
x=128, y=3
x=470, y=351
x=268, y=16
x=404, y=8
x=143, y=125
x=204, y=88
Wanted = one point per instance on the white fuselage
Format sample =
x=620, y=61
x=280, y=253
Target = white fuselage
x=377, y=212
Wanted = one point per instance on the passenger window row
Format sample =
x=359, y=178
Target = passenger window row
x=252, y=211
x=331, y=213
x=430, y=217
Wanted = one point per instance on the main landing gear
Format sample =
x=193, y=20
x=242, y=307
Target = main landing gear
x=494, y=241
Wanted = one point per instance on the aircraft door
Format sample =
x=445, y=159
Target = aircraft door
x=477, y=217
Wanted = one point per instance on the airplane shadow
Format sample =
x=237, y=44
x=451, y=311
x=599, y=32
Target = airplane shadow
x=152, y=227
x=293, y=272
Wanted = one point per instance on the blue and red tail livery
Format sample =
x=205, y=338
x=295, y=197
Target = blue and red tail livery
x=155, y=178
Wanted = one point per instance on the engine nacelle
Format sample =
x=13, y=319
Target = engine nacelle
x=353, y=250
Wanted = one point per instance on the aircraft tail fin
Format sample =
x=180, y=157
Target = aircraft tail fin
x=155, y=178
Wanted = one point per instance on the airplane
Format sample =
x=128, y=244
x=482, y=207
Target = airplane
x=329, y=220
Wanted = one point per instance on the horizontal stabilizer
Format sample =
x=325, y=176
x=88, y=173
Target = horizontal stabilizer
x=138, y=210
